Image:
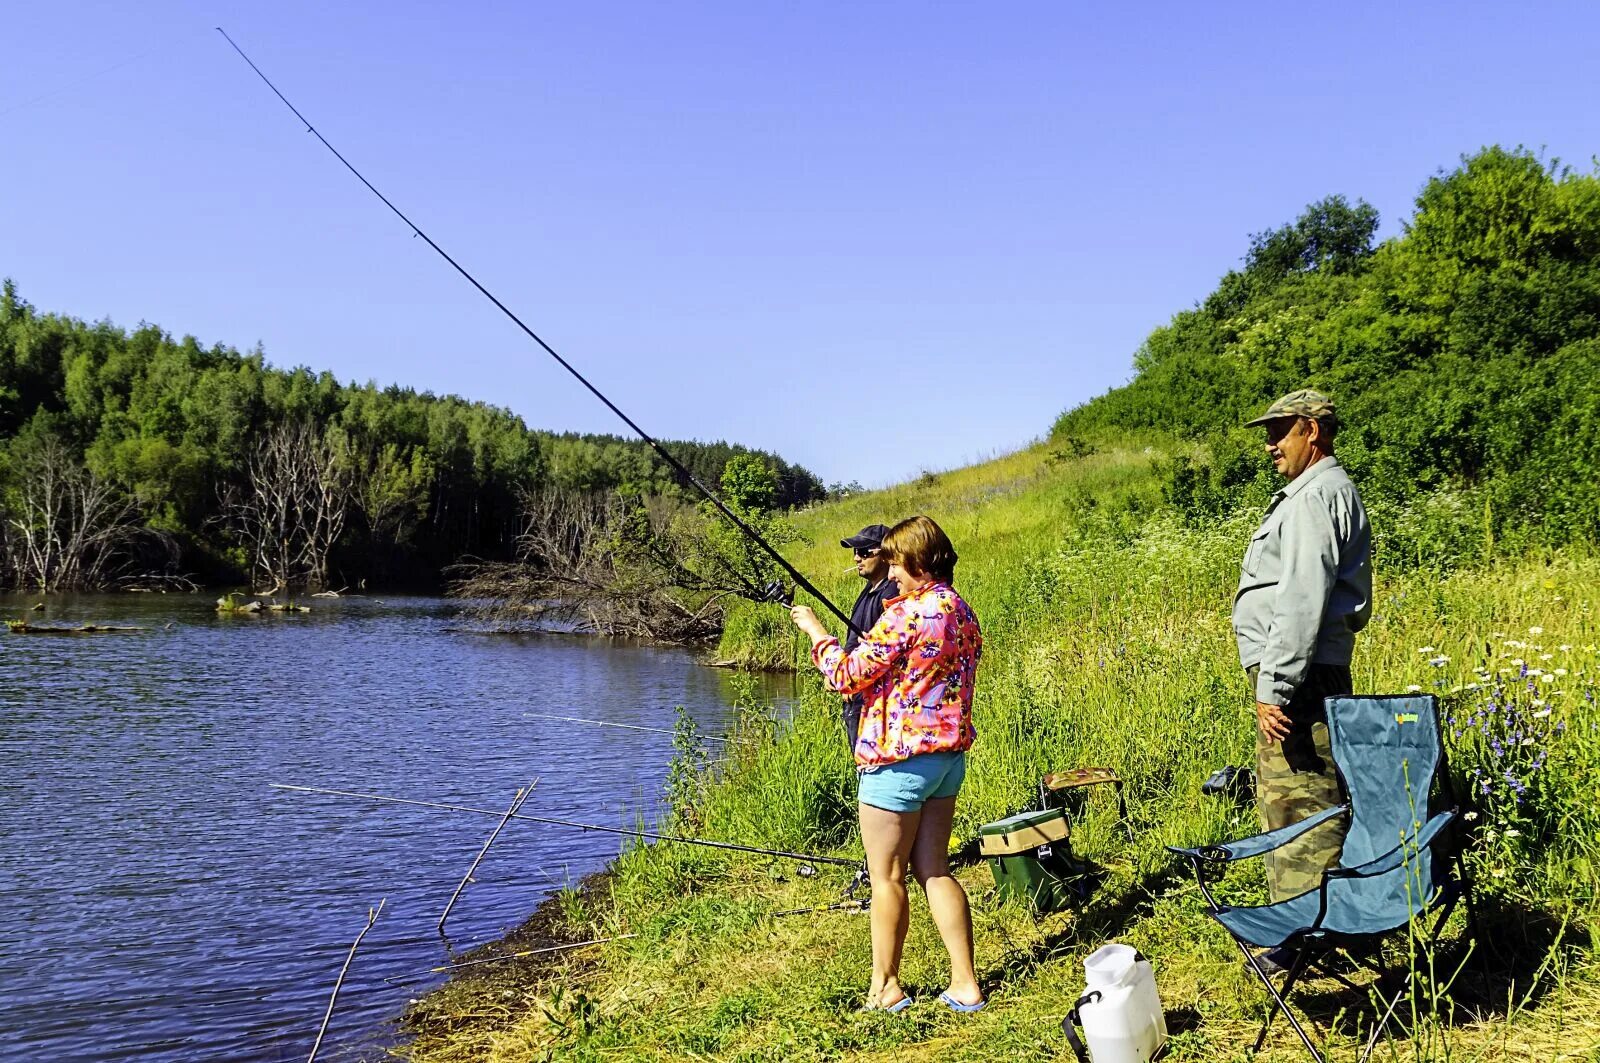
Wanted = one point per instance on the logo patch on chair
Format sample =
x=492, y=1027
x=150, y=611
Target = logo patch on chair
x=1405, y=717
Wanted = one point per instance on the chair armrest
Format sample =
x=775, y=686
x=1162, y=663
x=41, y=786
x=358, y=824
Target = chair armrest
x=1245, y=848
x=1382, y=865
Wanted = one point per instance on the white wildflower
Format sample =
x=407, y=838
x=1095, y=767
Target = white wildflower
x=1547, y=678
x=1559, y=671
x=1546, y=656
x=1413, y=689
x=1565, y=647
x=1439, y=661
x=1426, y=649
x=1536, y=631
x=1470, y=816
x=1541, y=714
x=1512, y=832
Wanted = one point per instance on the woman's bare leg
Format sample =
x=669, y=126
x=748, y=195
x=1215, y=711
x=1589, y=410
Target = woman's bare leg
x=888, y=837
x=930, y=862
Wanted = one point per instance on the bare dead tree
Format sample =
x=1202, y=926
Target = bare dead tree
x=602, y=564
x=294, y=503
x=61, y=525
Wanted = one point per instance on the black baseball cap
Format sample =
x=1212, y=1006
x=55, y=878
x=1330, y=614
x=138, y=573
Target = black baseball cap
x=870, y=536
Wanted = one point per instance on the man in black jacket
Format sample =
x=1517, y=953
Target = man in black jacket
x=868, y=608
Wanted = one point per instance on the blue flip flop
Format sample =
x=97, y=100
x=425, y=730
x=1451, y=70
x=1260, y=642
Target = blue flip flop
x=955, y=1005
x=894, y=1009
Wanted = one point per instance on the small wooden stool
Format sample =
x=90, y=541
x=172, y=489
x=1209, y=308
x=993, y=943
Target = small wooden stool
x=1060, y=782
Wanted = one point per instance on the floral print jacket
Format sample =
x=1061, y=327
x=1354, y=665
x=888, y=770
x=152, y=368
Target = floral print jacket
x=914, y=670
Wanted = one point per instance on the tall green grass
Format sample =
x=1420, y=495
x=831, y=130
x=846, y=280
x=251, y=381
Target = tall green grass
x=1107, y=642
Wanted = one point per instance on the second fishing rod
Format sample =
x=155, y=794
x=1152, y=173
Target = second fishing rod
x=769, y=593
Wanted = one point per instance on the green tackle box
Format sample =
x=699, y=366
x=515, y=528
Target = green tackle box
x=1030, y=857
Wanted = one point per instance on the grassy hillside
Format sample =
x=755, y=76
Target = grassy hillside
x=1462, y=352
x=1107, y=642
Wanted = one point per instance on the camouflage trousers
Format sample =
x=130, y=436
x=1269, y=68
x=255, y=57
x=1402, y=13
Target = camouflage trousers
x=1295, y=779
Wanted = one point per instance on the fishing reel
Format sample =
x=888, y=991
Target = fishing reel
x=850, y=902
x=778, y=593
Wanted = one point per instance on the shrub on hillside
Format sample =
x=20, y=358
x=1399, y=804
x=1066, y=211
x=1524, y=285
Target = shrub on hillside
x=1462, y=355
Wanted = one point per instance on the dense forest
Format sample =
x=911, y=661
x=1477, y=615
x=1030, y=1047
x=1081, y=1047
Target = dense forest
x=133, y=458
x=1463, y=354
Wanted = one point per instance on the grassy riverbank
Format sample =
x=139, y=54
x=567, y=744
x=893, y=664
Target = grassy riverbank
x=1106, y=623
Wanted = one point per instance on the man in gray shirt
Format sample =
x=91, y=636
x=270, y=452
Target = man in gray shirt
x=1305, y=589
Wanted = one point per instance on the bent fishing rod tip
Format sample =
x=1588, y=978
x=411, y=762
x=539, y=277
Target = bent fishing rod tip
x=677, y=466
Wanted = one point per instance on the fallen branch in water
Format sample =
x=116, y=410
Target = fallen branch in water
x=22, y=627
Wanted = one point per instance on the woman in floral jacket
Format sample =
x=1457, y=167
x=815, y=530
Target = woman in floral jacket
x=915, y=671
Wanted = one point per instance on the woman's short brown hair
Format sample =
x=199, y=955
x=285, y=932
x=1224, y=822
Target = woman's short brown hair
x=922, y=548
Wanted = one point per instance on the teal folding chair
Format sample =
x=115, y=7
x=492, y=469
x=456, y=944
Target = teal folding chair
x=1389, y=757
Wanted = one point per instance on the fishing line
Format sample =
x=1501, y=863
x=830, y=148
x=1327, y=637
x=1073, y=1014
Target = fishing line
x=677, y=466
x=624, y=726
x=69, y=86
x=783, y=853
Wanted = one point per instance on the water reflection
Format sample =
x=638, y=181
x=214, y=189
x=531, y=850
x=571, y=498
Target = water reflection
x=159, y=901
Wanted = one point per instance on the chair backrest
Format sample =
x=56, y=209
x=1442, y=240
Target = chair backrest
x=1386, y=749
x=1387, y=752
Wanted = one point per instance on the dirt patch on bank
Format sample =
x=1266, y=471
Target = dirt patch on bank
x=488, y=995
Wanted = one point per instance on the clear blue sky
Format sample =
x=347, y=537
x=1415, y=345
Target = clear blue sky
x=743, y=220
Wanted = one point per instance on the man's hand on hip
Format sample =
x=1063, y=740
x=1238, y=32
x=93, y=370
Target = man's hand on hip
x=1272, y=722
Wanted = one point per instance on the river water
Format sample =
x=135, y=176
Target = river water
x=159, y=901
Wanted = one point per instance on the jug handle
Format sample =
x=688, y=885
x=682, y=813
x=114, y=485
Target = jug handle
x=1069, y=1025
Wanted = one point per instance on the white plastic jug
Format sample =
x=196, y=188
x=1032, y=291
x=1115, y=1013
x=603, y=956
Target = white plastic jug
x=1119, y=1010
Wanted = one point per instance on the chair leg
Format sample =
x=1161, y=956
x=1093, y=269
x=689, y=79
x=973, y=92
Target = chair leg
x=1320, y=965
x=1372, y=968
x=1292, y=976
x=1329, y=972
x=1407, y=977
x=1278, y=998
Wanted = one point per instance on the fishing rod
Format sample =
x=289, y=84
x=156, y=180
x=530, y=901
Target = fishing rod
x=522, y=794
x=769, y=593
x=808, y=858
x=524, y=953
x=338, y=984
x=627, y=726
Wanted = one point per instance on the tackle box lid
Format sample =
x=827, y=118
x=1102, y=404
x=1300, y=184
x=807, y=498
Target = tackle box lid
x=1022, y=832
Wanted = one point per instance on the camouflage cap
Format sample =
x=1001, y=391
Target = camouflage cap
x=1302, y=403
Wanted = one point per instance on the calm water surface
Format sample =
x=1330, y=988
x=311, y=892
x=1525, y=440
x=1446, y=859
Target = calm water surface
x=159, y=901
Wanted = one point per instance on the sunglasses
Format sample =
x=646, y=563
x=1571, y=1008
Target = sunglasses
x=866, y=551
x=1277, y=431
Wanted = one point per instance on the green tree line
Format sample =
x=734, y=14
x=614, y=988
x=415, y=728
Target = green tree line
x=1463, y=354
x=133, y=455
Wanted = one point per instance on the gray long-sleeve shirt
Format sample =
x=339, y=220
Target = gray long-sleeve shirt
x=1305, y=588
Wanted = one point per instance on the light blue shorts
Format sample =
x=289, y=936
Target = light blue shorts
x=904, y=785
